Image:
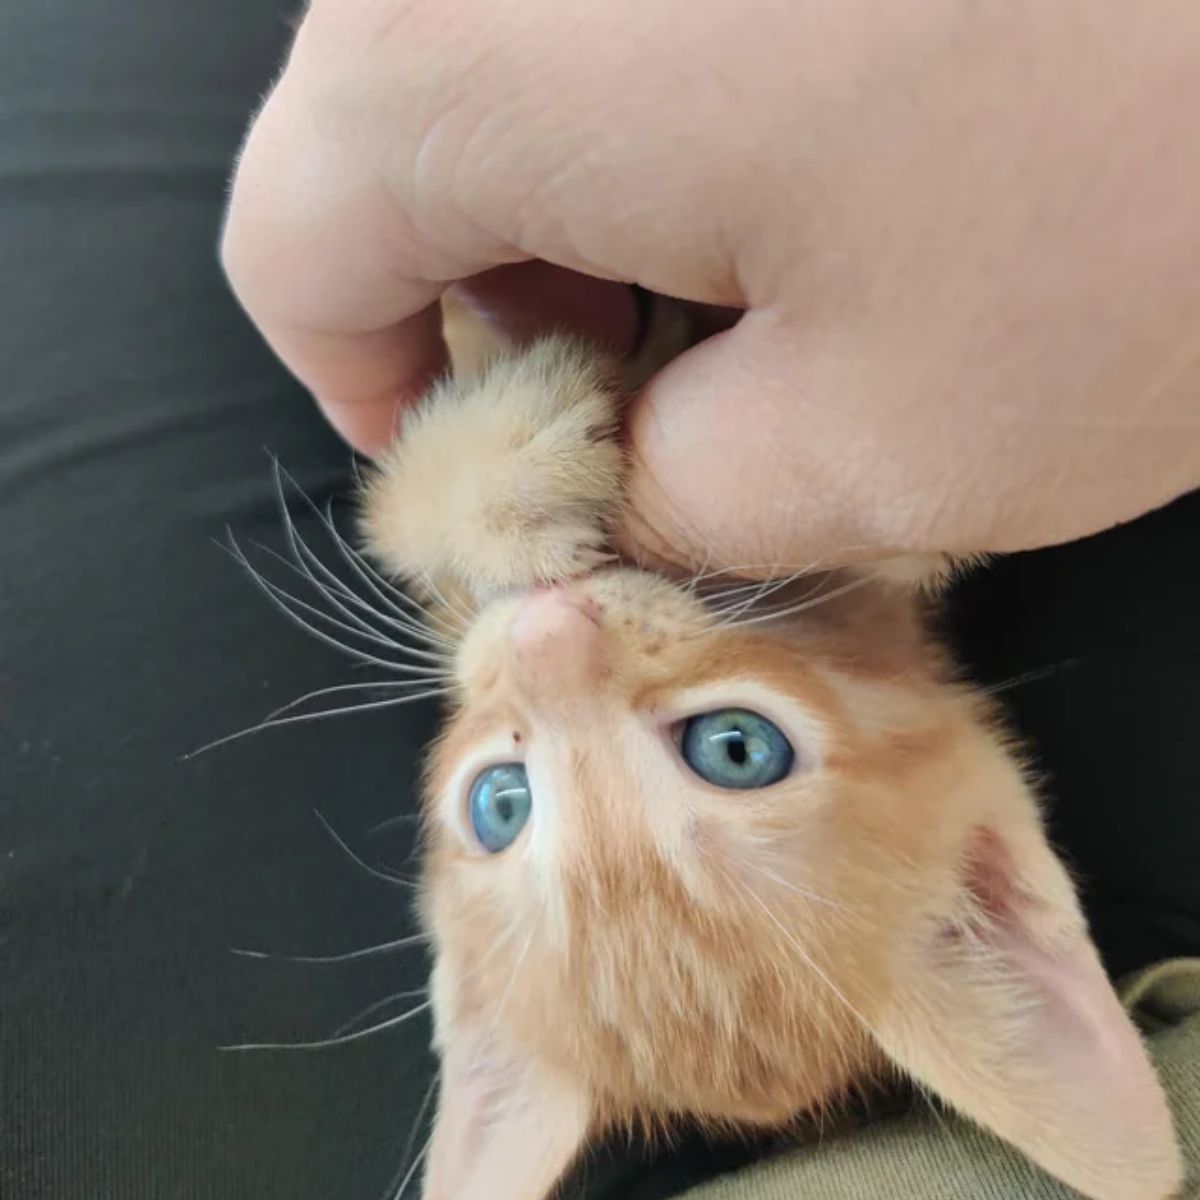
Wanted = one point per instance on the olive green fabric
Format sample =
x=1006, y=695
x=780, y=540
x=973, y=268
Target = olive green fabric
x=928, y=1155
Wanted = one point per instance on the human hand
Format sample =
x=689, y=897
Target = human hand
x=964, y=235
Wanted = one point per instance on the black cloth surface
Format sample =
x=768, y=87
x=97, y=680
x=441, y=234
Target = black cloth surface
x=135, y=405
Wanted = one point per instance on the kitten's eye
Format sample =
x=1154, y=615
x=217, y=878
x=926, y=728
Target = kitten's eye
x=733, y=748
x=500, y=803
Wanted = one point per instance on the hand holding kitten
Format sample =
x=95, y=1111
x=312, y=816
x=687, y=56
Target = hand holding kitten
x=964, y=237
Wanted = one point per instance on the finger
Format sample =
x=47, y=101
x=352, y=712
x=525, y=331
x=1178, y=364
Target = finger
x=339, y=282
x=525, y=300
x=733, y=465
x=766, y=448
x=364, y=381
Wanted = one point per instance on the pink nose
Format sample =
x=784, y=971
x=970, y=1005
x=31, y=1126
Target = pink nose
x=557, y=642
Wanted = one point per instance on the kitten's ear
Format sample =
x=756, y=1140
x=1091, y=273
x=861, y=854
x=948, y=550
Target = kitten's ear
x=1010, y=1018
x=505, y=1130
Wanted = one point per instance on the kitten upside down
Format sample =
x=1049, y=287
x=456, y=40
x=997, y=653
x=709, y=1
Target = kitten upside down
x=726, y=853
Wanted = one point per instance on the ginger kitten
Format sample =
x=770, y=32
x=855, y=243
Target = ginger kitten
x=718, y=853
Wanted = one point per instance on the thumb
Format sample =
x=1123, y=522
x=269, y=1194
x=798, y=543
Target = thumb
x=742, y=460
x=775, y=446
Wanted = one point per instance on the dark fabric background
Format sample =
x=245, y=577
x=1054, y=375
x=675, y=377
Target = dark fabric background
x=135, y=405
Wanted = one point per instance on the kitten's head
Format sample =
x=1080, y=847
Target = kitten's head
x=730, y=868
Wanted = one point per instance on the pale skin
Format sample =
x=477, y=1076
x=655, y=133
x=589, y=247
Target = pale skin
x=965, y=236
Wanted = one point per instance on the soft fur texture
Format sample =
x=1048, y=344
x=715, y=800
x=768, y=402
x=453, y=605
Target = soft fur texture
x=651, y=946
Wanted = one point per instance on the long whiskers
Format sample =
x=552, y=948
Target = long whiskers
x=283, y=599
x=337, y=596
x=407, y=1169
x=398, y=609
x=288, y=604
x=375, y=685
x=337, y=1039
x=348, y=1026
x=402, y=606
x=322, y=715
x=811, y=599
x=722, y=597
x=392, y=822
x=412, y=1170
x=428, y=678
x=452, y=605
x=412, y=939
x=390, y=605
x=307, y=561
x=1034, y=676
x=378, y=872
x=730, y=609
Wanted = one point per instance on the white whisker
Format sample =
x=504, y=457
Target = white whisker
x=821, y=596
x=281, y=595
x=306, y=558
x=386, y=685
x=359, y=629
x=1025, y=677
x=274, y=593
x=337, y=1040
x=810, y=601
x=322, y=715
x=347, y=1026
x=335, y=599
x=455, y=610
x=392, y=822
x=741, y=579
x=388, y=595
x=344, y=846
x=721, y=593
x=731, y=611
x=412, y=939
x=793, y=887
x=699, y=575
x=728, y=596
x=415, y=624
x=412, y=1170
x=407, y=1169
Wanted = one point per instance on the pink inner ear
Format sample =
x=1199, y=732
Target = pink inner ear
x=505, y=1130
x=1079, y=1023
x=1018, y=1027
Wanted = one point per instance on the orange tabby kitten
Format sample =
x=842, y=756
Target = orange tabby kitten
x=718, y=861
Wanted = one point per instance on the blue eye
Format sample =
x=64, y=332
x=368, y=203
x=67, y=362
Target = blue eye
x=500, y=803
x=733, y=748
